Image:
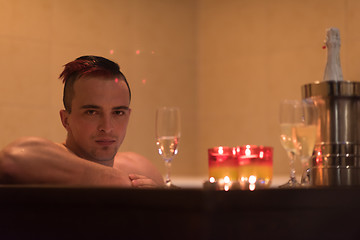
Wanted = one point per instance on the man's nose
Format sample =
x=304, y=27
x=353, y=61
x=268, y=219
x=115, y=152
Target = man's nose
x=105, y=124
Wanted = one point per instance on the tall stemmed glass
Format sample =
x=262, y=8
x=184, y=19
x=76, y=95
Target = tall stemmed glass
x=288, y=121
x=306, y=136
x=167, y=135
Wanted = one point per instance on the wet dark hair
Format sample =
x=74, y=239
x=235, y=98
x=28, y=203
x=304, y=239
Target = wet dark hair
x=88, y=66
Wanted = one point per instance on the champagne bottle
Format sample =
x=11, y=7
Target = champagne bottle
x=333, y=70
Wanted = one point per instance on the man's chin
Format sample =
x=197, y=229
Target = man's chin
x=104, y=159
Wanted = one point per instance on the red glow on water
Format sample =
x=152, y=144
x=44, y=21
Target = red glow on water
x=137, y=52
x=152, y=52
x=143, y=81
x=116, y=80
x=227, y=179
x=112, y=51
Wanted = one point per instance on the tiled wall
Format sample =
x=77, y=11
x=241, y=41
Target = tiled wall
x=153, y=41
x=252, y=54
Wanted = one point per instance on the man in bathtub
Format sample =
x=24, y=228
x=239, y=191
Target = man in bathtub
x=96, y=100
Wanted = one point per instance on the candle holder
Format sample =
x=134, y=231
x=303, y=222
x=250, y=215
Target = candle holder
x=255, y=166
x=244, y=167
x=223, y=164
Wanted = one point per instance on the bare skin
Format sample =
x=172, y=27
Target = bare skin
x=96, y=127
x=34, y=160
x=141, y=171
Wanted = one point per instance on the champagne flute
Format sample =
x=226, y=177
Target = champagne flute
x=288, y=140
x=305, y=133
x=167, y=136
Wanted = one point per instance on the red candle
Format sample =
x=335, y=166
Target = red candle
x=223, y=163
x=255, y=162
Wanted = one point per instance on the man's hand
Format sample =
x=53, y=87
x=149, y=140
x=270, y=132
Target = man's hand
x=139, y=181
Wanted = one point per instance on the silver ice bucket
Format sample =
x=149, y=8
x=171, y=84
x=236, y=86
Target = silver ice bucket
x=336, y=158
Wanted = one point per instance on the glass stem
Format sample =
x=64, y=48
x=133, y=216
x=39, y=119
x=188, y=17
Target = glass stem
x=168, y=168
x=305, y=177
x=292, y=166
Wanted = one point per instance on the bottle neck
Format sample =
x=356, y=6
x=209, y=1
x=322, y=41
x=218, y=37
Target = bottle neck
x=333, y=71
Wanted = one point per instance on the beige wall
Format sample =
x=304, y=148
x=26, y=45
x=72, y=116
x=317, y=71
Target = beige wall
x=252, y=54
x=226, y=64
x=38, y=37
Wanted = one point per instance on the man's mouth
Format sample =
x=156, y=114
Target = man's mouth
x=105, y=142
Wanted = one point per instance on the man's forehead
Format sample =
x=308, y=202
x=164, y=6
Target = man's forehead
x=100, y=93
x=95, y=83
x=99, y=80
x=116, y=79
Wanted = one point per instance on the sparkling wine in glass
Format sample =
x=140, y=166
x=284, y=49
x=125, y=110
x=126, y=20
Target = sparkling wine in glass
x=288, y=121
x=305, y=133
x=167, y=128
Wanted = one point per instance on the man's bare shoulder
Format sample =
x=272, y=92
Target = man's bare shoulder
x=23, y=143
x=130, y=156
x=23, y=157
x=133, y=161
x=32, y=141
x=32, y=146
x=34, y=160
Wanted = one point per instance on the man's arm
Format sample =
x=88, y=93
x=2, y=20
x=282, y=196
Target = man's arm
x=141, y=171
x=38, y=161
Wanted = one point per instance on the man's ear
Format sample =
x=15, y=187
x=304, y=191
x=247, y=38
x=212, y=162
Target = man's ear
x=64, y=116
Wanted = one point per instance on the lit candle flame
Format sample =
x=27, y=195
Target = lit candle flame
x=221, y=150
x=247, y=150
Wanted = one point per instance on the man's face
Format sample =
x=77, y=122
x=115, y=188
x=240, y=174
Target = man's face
x=98, y=120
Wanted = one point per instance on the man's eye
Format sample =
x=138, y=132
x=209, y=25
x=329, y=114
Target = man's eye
x=119, y=113
x=90, y=112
